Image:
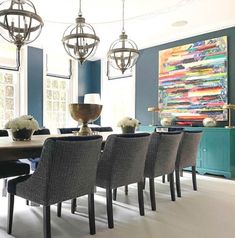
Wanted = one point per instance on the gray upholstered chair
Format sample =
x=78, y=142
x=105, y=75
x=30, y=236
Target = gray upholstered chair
x=122, y=163
x=160, y=160
x=67, y=169
x=11, y=168
x=187, y=156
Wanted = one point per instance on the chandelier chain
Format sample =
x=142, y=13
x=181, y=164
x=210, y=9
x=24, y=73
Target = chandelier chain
x=123, y=3
x=123, y=53
x=80, y=8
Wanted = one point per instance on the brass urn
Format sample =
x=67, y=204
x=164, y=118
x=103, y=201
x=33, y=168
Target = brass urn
x=85, y=113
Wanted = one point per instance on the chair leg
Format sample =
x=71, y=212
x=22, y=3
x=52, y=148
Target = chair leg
x=114, y=194
x=194, y=178
x=46, y=222
x=181, y=173
x=73, y=205
x=126, y=190
x=172, y=186
x=163, y=178
x=91, y=211
x=141, y=198
x=177, y=178
x=144, y=183
x=152, y=193
x=4, y=188
x=10, y=212
x=109, y=207
x=59, y=207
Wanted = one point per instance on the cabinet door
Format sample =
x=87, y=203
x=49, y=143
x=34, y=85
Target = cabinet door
x=200, y=153
x=215, y=150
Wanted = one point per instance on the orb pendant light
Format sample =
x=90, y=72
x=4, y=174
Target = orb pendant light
x=123, y=53
x=80, y=40
x=19, y=22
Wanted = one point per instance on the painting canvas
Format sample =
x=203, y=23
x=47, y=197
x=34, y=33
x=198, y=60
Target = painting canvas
x=193, y=80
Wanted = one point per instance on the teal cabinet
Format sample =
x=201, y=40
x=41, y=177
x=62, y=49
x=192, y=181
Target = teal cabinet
x=216, y=152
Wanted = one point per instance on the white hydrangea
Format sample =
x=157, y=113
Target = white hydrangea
x=25, y=121
x=128, y=121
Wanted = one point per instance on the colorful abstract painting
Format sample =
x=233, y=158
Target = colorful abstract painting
x=193, y=80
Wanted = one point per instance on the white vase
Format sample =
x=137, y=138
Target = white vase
x=209, y=122
x=166, y=121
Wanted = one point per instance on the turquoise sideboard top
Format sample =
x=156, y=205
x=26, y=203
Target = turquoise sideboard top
x=216, y=152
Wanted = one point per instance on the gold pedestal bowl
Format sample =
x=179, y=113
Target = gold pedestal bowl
x=85, y=113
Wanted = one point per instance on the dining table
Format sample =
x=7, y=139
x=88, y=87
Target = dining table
x=13, y=150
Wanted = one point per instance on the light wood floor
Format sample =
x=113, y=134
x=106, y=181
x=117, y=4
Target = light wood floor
x=207, y=213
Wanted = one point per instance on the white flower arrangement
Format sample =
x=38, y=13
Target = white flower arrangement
x=128, y=121
x=22, y=122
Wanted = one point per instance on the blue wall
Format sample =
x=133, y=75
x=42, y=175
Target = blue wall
x=147, y=72
x=89, y=78
x=146, y=76
x=89, y=81
x=35, y=83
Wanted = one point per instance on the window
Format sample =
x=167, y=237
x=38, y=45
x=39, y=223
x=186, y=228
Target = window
x=56, y=102
x=9, y=83
x=9, y=56
x=60, y=89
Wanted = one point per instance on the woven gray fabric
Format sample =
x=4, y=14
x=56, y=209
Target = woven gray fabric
x=161, y=155
x=188, y=149
x=122, y=161
x=67, y=170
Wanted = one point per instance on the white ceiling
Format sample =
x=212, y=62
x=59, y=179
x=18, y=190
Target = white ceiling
x=147, y=22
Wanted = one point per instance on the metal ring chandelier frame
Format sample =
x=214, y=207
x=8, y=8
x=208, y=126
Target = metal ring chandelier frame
x=80, y=40
x=20, y=23
x=123, y=53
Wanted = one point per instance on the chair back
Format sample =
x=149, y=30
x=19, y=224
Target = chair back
x=187, y=153
x=102, y=129
x=42, y=131
x=68, y=130
x=162, y=153
x=3, y=133
x=67, y=169
x=93, y=128
x=126, y=155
